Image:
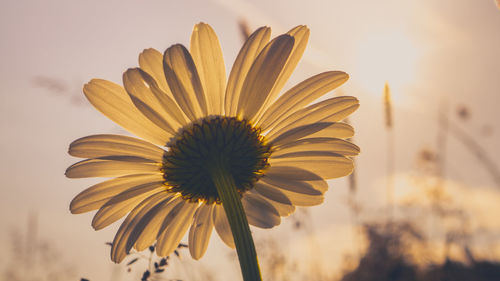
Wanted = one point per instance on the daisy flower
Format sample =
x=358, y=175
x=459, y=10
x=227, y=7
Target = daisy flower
x=212, y=153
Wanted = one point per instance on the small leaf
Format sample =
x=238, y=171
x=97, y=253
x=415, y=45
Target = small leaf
x=146, y=275
x=132, y=261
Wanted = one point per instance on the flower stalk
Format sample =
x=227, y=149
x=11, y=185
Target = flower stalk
x=231, y=201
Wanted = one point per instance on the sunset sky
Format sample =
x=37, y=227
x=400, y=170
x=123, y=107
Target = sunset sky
x=433, y=54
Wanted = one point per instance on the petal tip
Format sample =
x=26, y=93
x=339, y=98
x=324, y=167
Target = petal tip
x=68, y=173
x=72, y=208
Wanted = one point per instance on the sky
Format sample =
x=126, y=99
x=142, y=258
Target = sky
x=435, y=55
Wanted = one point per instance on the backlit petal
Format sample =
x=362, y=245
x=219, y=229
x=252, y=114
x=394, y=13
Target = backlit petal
x=151, y=61
x=250, y=50
x=114, y=145
x=334, y=130
x=326, y=165
x=118, y=248
x=300, y=35
x=200, y=231
x=97, y=195
x=147, y=234
x=274, y=194
x=177, y=223
x=335, y=145
x=301, y=95
x=297, y=186
x=123, y=203
x=259, y=212
x=152, y=101
x=283, y=210
x=108, y=168
x=262, y=76
x=184, y=81
x=222, y=226
x=304, y=200
x=330, y=110
x=207, y=55
x=114, y=102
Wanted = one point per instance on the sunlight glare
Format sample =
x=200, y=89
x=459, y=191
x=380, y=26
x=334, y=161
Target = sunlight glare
x=385, y=57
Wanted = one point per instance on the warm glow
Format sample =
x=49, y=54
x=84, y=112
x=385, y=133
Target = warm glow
x=385, y=56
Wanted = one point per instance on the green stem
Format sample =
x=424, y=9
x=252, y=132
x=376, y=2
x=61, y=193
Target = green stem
x=237, y=218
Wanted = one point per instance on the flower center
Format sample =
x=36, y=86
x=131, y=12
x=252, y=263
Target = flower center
x=214, y=143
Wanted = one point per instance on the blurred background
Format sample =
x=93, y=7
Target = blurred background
x=423, y=203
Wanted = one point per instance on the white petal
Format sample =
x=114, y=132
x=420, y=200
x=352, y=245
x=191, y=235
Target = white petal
x=298, y=133
x=165, y=100
x=150, y=227
x=289, y=173
x=301, y=36
x=118, y=249
x=297, y=199
x=114, y=102
x=109, y=168
x=122, y=203
x=97, y=195
x=222, y=226
x=327, y=165
x=291, y=185
x=259, y=212
x=177, y=223
x=146, y=227
x=271, y=193
x=114, y=145
x=315, y=130
x=262, y=76
x=200, y=231
x=335, y=130
x=284, y=210
x=182, y=77
x=207, y=55
x=152, y=101
x=153, y=115
x=304, y=200
x=330, y=110
x=335, y=145
x=341, y=115
x=151, y=61
x=301, y=95
x=250, y=50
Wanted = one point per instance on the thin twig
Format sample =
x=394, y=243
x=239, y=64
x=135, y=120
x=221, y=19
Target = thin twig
x=389, y=120
x=473, y=146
